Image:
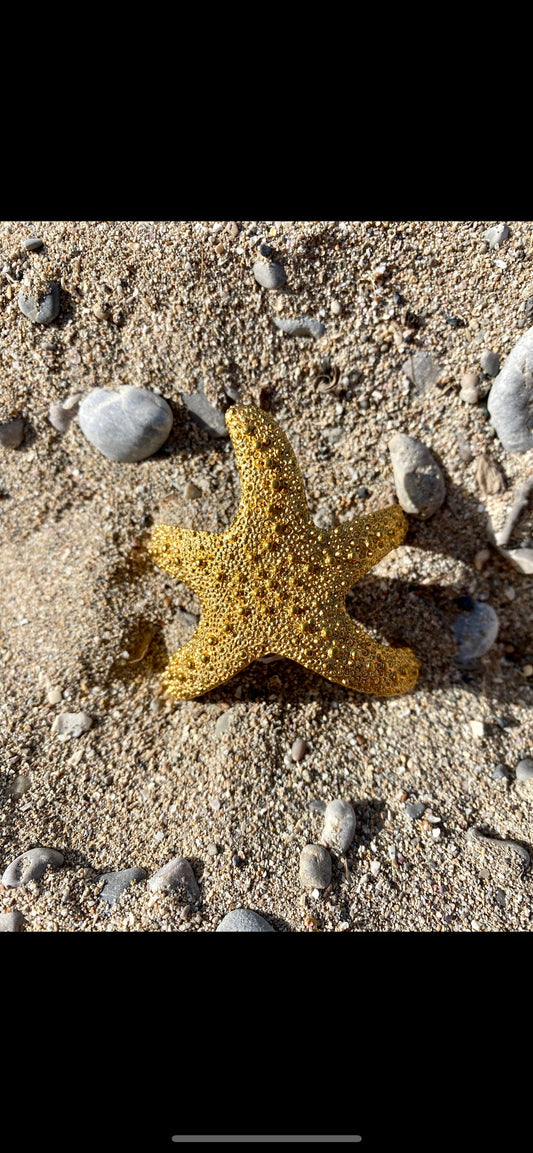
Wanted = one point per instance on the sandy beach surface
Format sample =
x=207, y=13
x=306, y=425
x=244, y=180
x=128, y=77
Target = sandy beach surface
x=443, y=830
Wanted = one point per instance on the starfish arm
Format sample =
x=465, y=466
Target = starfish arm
x=271, y=481
x=356, y=660
x=364, y=541
x=217, y=650
x=184, y=553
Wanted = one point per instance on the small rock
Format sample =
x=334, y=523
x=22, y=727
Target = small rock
x=315, y=867
x=520, y=558
x=54, y=695
x=67, y=725
x=43, y=308
x=176, y=876
x=11, y=922
x=115, y=883
x=32, y=243
x=222, y=724
x=269, y=275
x=336, y=307
x=204, y=413
x=417, y=477
x=11, y=433
x=62, y=412
x=339, y=826
x=233, y=228
x=500, y=773
x=30, y=866
x=126, y=424
x=490, y=479
x=510, y=401
x=265, y=250
x=299, y=749
x=478, y=729
x=192, y=492
x=301, y=326
x=469, y=388
x=244, y=921
x=496, y=235
x=490, y=362
x=422, y=371
x=475, y=632
x=18, y=786
x=415, y=810
x=524, y=769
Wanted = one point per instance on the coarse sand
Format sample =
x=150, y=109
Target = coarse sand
x=87, y=622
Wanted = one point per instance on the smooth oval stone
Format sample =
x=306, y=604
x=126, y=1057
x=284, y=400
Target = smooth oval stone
x=33, y=243
x=510, y=401
x=339, y=826
x=11, y=433
x=11, y=922
x=176, y=876
x=315, y=867
x=269, y=275
x=524, y=769
x=243, y=921
x=115, y=883
x=126, y=424
x=417, y=477
x=44, y=307
x=475, y=632
x=301, y=326
x=299, y=749
x=30, y=866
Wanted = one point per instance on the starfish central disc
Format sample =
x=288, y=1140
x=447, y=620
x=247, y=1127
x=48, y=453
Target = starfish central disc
x=274, y=582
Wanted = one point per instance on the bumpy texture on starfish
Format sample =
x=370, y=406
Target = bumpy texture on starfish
x=275, y=583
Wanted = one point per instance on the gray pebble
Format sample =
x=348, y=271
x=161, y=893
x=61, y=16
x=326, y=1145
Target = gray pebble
x=496, y=235
x=422, y=371
x=490, y=362
x=315, y=867
x=265, y=250
x=176, y=876
x=33, y=243
x=68, y=725
x=18, y=786
x=339, y=826
x=11, y=433
x=500, y=773
x=475, y=632
x=299, y=749
x=11, y=922
x=204, y=413
x=192, y=492
x=41, y=309
x=269, y=275
x=126, y=424
x=510, y=401
x=417, y=477
x=415, y=810
x=30, y=866
x=524, y=769
x=62, y=412
x=301, y=326
x=115, y=883
x=244, y=921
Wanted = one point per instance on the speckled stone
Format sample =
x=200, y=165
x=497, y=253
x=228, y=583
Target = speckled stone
x=11, y=433
x=315, y=867
x=43, y=308
x=243, y=921
x=339, y=826
x=475, y=632
x=417, y=477
x=176, y=876
x=30, y=866
x=301, y=326
x=126, y=424
x=115, y=883
x=11, y=922
x=269, y=275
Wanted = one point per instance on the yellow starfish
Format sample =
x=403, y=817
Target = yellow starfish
x=274, y=582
